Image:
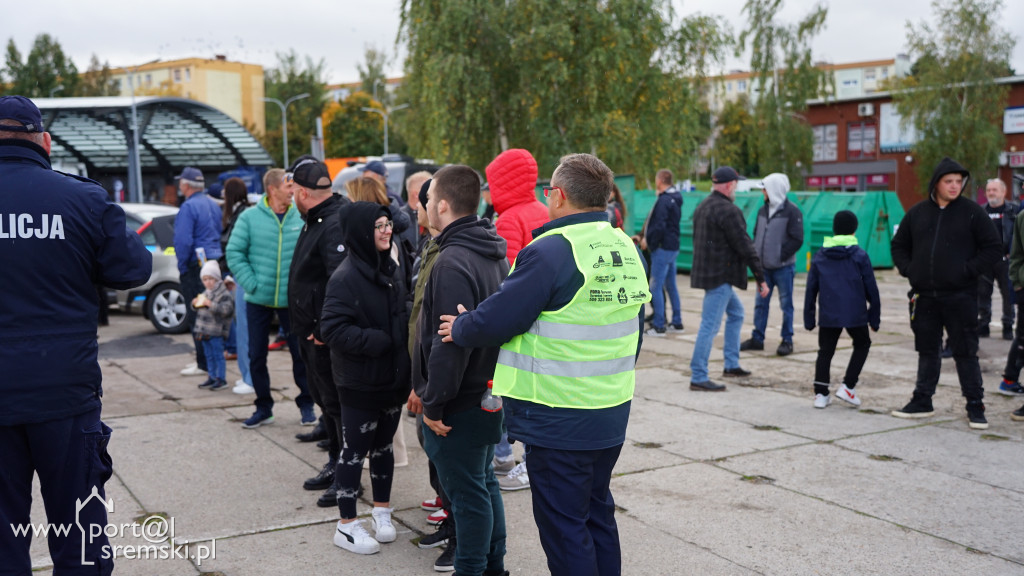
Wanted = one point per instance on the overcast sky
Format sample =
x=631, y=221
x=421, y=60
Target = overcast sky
x=337, y=31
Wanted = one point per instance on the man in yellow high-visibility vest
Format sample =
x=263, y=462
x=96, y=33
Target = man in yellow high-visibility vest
x=569, y=319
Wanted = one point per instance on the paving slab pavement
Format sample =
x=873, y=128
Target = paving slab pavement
x=750, y=481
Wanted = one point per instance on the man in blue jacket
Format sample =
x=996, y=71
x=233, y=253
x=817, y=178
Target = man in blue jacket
x=197, y=226
x=60, y=237
x=662, y=239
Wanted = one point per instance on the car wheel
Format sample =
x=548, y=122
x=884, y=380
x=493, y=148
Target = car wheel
x=167, y=309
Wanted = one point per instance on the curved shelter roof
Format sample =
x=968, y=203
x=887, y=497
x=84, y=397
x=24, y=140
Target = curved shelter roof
x=173, y=132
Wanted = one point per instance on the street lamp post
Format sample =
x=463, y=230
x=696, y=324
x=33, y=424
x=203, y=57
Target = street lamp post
x=135, y=187
x=284, y=118
x=385, y=113
x=56, y=89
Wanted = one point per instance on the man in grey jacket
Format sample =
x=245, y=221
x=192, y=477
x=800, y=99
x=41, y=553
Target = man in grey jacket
x=778, y=236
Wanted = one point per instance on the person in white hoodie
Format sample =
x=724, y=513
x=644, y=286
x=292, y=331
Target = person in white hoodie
x=778, y=236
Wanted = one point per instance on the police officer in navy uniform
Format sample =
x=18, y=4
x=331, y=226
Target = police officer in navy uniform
x=59, y=236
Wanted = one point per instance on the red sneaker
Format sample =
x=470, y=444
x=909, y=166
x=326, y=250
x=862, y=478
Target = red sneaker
x=431, y=505
x=435, y=518
x=278, y=345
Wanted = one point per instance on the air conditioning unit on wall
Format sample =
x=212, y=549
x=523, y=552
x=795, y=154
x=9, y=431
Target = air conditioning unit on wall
x=865, y=109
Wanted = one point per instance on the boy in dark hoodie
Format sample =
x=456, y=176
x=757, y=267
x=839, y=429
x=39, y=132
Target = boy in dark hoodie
x=841, y=271
x=942, y=245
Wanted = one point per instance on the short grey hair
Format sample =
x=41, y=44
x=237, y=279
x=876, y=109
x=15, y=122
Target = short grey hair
x=586, y=180
x=997, y=180
x=194, y=184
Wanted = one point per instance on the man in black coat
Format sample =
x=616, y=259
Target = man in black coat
x=318, y=252
x=942, y=245
x=459, y=436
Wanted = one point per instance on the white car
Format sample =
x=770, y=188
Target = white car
x=160, y=299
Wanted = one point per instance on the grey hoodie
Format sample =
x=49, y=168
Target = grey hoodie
x=779, y=232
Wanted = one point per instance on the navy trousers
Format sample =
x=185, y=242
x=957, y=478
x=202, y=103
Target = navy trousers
x=575, y=511
x=259, y=318
x=70, y=457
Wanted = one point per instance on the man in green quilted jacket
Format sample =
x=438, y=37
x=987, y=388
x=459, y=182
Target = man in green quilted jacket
x=260, y=256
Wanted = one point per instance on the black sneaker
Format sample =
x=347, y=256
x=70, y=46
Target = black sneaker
x=752, y=344
x=708, y=386
x=324, y=444
x=219, y=384
x=1007, y=333
x=315, y=435
x=324, y=478
x=446, y=561
x=1017, y=415
x=976, y=416
x=785, y=349
x=737, y=372
x=918, y=407
x=983, y=331
x=439, y=537
x=210, y=383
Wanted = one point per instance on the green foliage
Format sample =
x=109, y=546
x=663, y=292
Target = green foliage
x=785, y=74
x=45, y=68
x=735, y=141
x=951, y=98
x=97, y=80
x=349, y=131
x=609, y=77
x=290, y=78
x=376, y=62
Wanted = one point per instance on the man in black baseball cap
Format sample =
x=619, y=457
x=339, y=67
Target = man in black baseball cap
x=309, y=173
x=19, y=114
x=726, y=174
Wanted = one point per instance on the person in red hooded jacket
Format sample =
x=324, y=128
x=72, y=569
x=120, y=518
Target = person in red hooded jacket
x=512, y=177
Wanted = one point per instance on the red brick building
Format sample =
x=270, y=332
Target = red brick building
x=859, y=145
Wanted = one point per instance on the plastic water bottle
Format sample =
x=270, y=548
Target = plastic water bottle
x=490, y=402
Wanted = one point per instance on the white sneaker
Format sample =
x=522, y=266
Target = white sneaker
x=382, y=524
x=517, y=478
x=822, y=400
x=242, y=388
x=354, y=538
x=847, y=395
x=193, y=369
x=502, y=466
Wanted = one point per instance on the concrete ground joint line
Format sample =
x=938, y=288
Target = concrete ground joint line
x=775, y=484
x=177, y=401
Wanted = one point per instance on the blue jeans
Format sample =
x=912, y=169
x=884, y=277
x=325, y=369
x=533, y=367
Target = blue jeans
x=503, y=449
x=259, y=318
x=242, y=334
x=663, y=274
x=783, y=278
x=215, y=363
x=574, y=510
x=717, y=301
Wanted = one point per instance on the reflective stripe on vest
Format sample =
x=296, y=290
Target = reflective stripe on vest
x=582, y=355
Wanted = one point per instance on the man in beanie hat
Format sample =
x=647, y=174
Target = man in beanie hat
x=942, y=245
x=69, y=238
x=841, y=272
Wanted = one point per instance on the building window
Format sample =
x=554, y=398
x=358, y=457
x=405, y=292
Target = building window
x=177, y=75
x=885, y=73
x=728, y=87
x=741, y=85
x=861, y=141
x=117, y=85
x=188, y=74
x=869, y=74
x=825, y=137
x=149, y=79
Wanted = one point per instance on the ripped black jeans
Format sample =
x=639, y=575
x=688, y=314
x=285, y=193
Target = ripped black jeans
x=366, y=432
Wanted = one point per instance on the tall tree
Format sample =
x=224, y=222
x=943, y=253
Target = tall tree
x=786, y=78
x=43, y=71
x=349, y=131
x=553, y=76
x=951, y=98
x=371, y=73
x=734, y=142
x=97, y=80
x=293, y=76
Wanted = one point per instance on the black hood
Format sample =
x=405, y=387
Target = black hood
x=476, y=234
x=947, y=166
x=357, y=221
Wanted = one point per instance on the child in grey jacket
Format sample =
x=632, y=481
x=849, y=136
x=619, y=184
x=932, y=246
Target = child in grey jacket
x=215, y=308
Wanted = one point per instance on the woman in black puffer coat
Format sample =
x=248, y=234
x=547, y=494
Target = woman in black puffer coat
x=365, y=323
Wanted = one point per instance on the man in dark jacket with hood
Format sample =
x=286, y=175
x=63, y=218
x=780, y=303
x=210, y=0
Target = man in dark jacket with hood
x=661, y=238
x=318, y=252
x=461, y=436
x=942, y=245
